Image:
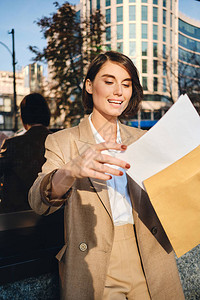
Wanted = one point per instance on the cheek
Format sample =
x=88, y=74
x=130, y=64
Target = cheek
x=100, y=91
x=128, y=94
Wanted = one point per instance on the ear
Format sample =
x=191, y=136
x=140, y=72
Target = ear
x=88, y=86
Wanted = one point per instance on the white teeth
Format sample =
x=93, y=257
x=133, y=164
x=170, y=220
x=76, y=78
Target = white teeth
x=116, y=102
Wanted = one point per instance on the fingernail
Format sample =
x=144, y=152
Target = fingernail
x=127, y=166
x=124, y=147
x=120, y=173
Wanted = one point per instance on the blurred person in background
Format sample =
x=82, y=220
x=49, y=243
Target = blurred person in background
x=22, y=156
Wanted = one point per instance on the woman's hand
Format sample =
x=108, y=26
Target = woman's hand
x=92, y=163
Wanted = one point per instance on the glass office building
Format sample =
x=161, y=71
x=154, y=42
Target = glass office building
x=189, y=53
x=153, y=35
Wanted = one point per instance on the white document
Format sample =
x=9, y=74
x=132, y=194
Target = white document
x=173, y=136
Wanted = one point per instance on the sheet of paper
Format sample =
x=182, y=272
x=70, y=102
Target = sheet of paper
x=174, y=135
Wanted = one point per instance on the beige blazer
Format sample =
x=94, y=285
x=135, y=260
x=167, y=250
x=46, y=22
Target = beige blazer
x=89, y=228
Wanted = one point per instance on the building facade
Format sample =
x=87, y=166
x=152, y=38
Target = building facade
x=189, y=57
x=6, y=97
x=147, y=32
x=33, y=77
x=29, y=79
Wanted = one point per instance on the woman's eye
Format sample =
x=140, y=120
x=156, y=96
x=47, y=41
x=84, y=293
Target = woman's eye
x=108, y=82
x=126, y=85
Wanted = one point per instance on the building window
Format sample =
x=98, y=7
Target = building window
x=108, y=33
x=132, y=33
x=164, y=34
x=144, y=83
x=108, y=18
x=119, y=13
x=155, y=14
x=108, y=47
x=188, y=56
x=5, y=104
x=171, y=4
x=119, y=1
x=171, y=20
x=2, y=120
x=164, y=85
x=155, y=49
x=107, y=2
x=98, y=4
x=144, y=13
x=155, y=32
x=164, y=51
x=132, y=1
x=188, y=29
x=132, y=48
x=78, y=16
x=144, y=48
x=164, y=3
x=120, y=32
x=189, y=43
x=144, y=1
x=120, y=47
x=164, y=16
x=144, y=65
x=155, y=2
x=170, y=37
x=155, y=84
x=155, y=67
x=144, y=31
x=132, y=13
x=164, y=68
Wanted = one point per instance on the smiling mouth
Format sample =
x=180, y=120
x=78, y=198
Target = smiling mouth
x=115, y=101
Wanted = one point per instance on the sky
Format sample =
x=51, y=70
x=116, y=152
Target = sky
x=21, y=14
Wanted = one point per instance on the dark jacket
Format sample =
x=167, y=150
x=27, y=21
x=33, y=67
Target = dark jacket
x=21, y=158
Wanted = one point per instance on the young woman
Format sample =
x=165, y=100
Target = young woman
x=115, y=247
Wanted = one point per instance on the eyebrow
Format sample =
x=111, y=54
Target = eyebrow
x=109, y=75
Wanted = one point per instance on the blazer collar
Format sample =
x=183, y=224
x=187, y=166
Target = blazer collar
x=86, y=134
x=128, y=134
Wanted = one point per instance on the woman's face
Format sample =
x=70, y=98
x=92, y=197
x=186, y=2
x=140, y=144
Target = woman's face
x=111, y=90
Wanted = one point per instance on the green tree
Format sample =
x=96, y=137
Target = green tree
x=72, y=42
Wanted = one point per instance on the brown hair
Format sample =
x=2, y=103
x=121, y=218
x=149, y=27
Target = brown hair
x=124, y=61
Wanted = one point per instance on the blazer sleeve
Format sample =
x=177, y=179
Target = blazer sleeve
x=40, y=193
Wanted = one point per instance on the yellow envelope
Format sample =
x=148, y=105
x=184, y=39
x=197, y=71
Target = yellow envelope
x=175, y=195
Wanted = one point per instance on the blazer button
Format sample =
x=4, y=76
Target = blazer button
x=154, y=230
x=83, y=247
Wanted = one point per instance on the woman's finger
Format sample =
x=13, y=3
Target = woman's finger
x=95, y=174
x=110, y=146
x=105, y=169
x=108, y=159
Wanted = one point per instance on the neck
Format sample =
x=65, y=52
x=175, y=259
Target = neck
x=106, y=126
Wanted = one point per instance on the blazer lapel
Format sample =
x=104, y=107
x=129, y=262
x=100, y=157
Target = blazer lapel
x=129, y=134
x=86, y=140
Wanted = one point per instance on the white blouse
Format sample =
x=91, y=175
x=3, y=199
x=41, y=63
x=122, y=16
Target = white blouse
x=117, y=186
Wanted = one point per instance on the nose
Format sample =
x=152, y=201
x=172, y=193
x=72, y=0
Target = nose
x=118, y=89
